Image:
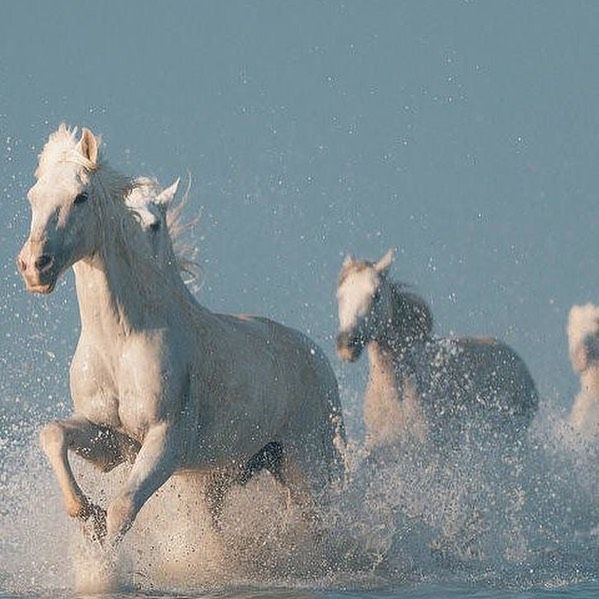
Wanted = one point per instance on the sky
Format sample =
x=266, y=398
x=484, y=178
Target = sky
x=465, y=134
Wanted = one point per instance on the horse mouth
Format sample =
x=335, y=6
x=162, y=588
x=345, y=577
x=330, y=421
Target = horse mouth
x=349, y=346
x=41, y=288
x=41, y=285
x=349, y=353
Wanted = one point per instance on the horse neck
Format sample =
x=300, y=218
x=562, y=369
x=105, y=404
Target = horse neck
x=381, y=364
x=403, y=330
x=392, y=400
x=107, y=304
x=112, y=305
x=390, y=362
x=115, y=299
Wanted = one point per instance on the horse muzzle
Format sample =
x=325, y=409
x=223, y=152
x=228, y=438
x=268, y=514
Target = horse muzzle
x=349, y=347
x=39, y=270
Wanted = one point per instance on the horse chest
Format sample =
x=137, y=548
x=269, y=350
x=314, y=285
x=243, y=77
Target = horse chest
x=94, y=393
x=119, y=390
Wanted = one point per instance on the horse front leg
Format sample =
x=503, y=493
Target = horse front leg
x=99, y=445
x=155, y=463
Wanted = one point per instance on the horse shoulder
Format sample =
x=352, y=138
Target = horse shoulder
x=154, y=364
x=92, y=384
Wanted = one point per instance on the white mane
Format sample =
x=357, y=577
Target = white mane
x=185, y=252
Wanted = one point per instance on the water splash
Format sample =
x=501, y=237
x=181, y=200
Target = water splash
x=520, y=518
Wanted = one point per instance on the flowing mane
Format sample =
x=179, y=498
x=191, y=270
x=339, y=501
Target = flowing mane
x=411, y=314
x=185, y=252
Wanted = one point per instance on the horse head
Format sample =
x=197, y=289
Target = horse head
x=364, y=300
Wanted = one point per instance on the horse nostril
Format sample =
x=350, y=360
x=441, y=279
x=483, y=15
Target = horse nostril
x=43, y=262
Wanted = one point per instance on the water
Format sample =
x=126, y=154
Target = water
x=413, y=524
x=422, y=592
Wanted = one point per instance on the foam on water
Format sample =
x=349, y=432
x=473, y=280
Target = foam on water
x=521, y=518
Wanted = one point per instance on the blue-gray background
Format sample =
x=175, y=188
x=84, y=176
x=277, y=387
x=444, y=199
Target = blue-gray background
x=464, y=133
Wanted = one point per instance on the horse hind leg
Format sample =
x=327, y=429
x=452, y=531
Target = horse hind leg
x=286, y=469
x=99, y=445
x=302, y=489
x=268, y=458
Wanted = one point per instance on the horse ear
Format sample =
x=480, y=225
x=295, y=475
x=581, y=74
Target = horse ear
x=385, y=262
x=166, y=196
x=88, y=145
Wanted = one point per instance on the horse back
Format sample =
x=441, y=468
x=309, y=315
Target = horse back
x=485, y=370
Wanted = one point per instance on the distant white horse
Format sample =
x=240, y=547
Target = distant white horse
x=161, y=219
x=156, y=378
x=437, y=388
x=583, y=341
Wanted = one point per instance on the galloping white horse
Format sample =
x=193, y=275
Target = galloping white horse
x=583, y=341
x=156, y=378
x=438, y=388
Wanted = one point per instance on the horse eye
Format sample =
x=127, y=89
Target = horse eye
x=80, y=198
x=154, y=227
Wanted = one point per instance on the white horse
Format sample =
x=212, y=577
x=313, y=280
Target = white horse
x=437, y=388
x=161, y=219
x=156, y=378
x=583, y=342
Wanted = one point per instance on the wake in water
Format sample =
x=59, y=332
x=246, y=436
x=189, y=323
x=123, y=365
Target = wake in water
x=521, y=518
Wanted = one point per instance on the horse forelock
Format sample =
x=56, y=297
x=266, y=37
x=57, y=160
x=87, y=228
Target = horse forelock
x=353, y=267
x=62, y=147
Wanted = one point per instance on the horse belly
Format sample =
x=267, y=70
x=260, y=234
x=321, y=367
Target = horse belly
x=235, y=427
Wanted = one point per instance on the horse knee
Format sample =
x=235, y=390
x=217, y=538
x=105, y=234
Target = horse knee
x=76, y=507
x=52, y=437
